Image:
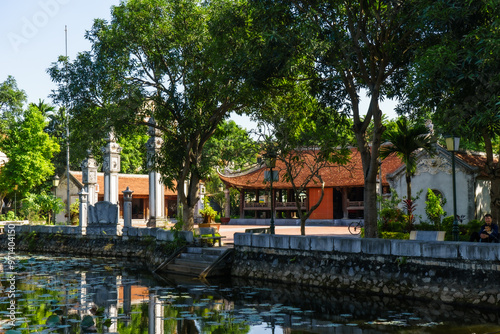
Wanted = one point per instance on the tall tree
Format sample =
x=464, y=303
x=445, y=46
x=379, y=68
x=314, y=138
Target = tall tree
x=459, y=79
x=11, y=102
x=405, y=141
x=307, y=137
x=171, y=60
x=30, y=151
x=355, y=45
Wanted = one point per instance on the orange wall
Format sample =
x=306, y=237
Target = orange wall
x=325, y=209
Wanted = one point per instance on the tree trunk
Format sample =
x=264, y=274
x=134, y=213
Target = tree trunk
x=408, y=186
x=495, y=200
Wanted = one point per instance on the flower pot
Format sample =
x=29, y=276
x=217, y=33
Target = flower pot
x=225, y=220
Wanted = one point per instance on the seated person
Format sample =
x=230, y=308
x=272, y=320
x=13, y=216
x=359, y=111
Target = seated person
x=488, y=232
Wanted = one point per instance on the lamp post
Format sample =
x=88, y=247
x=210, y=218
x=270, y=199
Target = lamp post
x=55, y=183
x=15, y=201
x=271, y=163
x=452, y=144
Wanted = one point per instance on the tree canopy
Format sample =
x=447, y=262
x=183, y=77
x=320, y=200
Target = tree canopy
x=30, y=151
x=11, y=102
x=171, y=60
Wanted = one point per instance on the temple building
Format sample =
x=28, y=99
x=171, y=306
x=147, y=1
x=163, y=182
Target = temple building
x=343, y=193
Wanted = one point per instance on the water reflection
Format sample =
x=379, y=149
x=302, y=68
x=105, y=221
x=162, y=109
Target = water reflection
x=82, y=296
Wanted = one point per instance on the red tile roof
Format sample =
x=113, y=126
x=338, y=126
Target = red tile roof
x=138, y=183
x=349, y=175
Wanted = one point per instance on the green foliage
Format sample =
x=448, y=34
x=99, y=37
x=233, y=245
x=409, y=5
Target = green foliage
x=207, y=211
x=133, y=154
x=391, y=217
x=41, y=206
x=30, y=151
x=74, y=210
x=308, y=137
x=11, y=103
x=9, y=216
x=394, y=235
x=405, y=141
x=434, y=208
x=465, y=230
x=173, y=60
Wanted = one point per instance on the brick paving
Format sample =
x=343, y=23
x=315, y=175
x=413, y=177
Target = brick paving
x=229, y=230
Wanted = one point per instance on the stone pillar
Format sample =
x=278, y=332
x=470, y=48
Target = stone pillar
x=242, y=203
x=156, y=187
x=344, y=203
x=227, y=207
x=155, y=313
x=83, y=214
x=111, y=167
x=127, y=212
x=89, y=178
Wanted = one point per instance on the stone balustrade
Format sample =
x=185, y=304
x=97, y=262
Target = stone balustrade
x=158, y=233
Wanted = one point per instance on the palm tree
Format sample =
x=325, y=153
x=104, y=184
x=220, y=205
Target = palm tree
x=406, y=140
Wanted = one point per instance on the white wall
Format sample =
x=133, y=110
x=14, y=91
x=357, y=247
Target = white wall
x=436, y=173
x=483, y=198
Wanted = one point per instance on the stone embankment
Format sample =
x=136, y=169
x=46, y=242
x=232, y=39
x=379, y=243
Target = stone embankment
x=145, y=246
x=451, y=272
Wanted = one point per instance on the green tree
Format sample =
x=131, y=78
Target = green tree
x=11, y=102
x=351, y=46
x=230, y=148
x=307, y=138
x=406, y=141
x=458, y=79
x=171, y=60
x=30, y=151
x=434, y=208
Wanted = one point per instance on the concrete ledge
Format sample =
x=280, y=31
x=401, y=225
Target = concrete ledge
x=440, y=250
x=261, y=240
x=347, y=245
x=133, y=231
x=280, y=241
x=300, y=242
x=161, y=234
x=187, y=235
x=479, y=251
x=376, y=246
x=243, y=239
x=322, y=243
x=406, y=248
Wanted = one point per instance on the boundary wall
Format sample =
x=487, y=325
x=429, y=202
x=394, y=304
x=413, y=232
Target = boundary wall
x=450, y=272
x=155, y=232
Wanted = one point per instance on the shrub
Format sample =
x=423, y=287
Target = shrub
x=394, y=235
x=434, y=208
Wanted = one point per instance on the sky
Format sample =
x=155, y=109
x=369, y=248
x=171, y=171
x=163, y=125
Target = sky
x=32, y=37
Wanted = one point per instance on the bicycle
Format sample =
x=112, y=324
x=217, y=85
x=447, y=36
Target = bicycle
x=355, y=227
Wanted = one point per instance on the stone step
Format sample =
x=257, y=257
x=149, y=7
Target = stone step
x=206, y=250
x=192, y=262
x=199, y=257
x=184, y=269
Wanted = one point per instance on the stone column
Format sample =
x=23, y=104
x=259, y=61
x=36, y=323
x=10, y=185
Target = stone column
x=155, y=313
x=156, y=187
x=344, y=203
x=89, y=178
x=227, y=207
x=111, y=167
x=242, y=203
x=127, y=212
x=83, y=214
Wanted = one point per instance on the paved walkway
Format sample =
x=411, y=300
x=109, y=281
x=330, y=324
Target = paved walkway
x=229, y=230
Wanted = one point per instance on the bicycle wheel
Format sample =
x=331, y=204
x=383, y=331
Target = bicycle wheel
x=355, y=228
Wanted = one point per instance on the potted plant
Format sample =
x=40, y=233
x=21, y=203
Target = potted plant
x=208, y=213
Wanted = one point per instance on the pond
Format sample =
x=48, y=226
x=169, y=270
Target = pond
x=48, y=294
